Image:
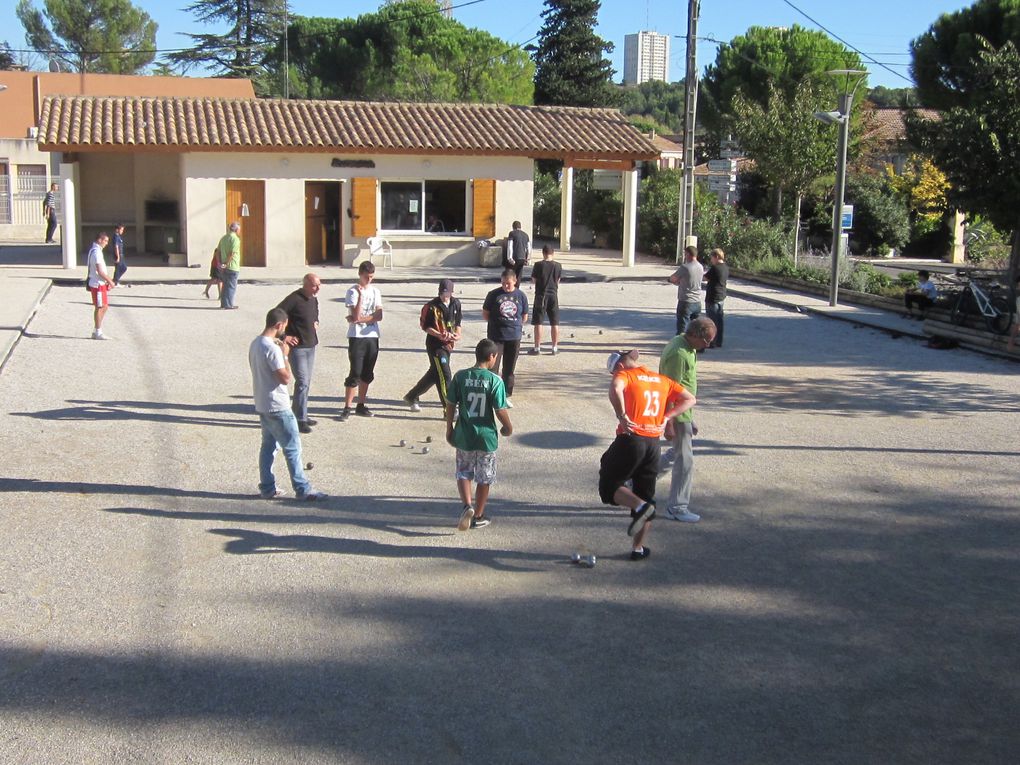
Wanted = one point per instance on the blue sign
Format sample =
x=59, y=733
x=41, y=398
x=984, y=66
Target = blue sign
x=847, y=217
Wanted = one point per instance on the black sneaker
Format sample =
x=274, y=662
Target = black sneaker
x=480, y=522
x=644, y=513
x=311, y=423
x=363, y=411
x=345, y=414
x=641, y=554
x=304, y=427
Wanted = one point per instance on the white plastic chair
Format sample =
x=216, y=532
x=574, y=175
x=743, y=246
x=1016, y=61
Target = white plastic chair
x=379, y=246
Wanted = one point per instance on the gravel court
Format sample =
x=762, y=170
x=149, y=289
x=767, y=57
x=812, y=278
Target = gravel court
x=847, y=595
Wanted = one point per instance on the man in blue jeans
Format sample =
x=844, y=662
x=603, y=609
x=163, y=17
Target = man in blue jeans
x=270, y=374
x=230, y=265
x=302, y=307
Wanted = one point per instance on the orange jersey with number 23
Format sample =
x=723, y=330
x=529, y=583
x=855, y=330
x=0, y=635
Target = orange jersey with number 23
x=646, y=398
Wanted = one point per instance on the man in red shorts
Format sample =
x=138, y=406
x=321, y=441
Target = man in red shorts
x=643, y=401
x=99, y=284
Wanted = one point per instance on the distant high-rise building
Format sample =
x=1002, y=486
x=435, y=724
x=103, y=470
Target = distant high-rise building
x=447, y=7
x=645, y=57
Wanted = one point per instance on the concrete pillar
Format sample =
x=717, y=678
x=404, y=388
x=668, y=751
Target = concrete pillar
x=566, y=207
x=70, y=208
x=957, y=252
x=630, y=187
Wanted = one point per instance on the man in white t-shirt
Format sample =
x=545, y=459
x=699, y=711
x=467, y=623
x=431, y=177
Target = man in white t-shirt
x=99, y=284
x=364, y=312
x=270, y=375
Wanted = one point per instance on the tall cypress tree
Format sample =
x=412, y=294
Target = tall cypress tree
x=570, y=68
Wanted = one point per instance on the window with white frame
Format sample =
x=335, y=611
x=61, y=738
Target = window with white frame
x=431, y=207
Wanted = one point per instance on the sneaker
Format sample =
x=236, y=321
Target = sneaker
x=641, y=554
x=304, y=427
x=312, y=496
x=555, y=350
x=345, y=414
x=684, y=516
x=363, y=411
x=639, y=517
x=465, y=518
x=412, y=404
x=480, y=522
x=98, y=335
x=311, y=423
x=534, y=351
x=272, y=495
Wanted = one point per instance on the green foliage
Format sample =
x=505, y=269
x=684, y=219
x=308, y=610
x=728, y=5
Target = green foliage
x=899, y=98
x=769, y=56
x=744, y=239
x=570, y=66
x=111, y=36
x=546, y=202
x=661, y=103
x=865, y=278
x=977, y=146
x=405, y=52
x=659, y=213
x=647, y=125
x=880, y=216
x=6, y=57
x=946, y=60
x=985, y=244
x=253, y=28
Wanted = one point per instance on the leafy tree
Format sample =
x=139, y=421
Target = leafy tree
x=977, y=146
x=922, y=187
x=789, y=146
x=902, y=98
x=254, y=28
x=547, y=203
x=570, y=68
x=111, y=36
x=764, y=58
x=880, y=216
x=657, y=102
x=659, y=212
x=409, y=52
x=945, y=59
x=6, y=57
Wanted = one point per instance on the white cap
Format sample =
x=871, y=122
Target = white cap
x=613, y=360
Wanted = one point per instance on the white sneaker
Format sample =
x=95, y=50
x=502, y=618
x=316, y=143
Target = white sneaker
x=684, y=516
x=412, y=404
x=313, y=496
x=98, y=335
x=555, y=350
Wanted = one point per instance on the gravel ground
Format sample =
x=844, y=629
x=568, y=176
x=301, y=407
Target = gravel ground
x=849, y=596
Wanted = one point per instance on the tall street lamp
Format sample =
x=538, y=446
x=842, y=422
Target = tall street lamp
x=841, y=117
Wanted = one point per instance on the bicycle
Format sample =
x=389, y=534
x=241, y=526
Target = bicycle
x=995, y=309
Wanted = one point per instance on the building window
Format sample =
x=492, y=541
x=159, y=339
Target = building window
x=424, y=206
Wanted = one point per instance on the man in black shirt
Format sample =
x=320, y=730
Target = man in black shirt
x=715, y=292
x=302, y=307
x=518, y=250
x=546, y=277
x=441, y=319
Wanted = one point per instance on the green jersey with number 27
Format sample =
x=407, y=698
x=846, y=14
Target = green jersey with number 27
x=477, y=393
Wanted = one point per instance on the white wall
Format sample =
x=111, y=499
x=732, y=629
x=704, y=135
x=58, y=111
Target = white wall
x=205, y=175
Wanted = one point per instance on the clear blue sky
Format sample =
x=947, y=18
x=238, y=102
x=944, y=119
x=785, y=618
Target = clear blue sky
x=880, y=28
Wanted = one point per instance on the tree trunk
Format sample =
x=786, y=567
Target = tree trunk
x=796, y=228
x=1014, y=265
x=777, y=202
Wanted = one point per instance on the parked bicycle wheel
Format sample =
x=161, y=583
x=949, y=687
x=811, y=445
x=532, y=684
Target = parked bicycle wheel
x=961, y=308
x=1003, y=319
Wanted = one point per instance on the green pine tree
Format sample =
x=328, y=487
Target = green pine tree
x=570, y=68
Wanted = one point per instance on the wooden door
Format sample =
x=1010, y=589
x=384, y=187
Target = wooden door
x=246, y=203
x=483, y=219
x=315, y=222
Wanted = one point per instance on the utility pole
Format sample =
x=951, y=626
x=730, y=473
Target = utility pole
x=686, y=217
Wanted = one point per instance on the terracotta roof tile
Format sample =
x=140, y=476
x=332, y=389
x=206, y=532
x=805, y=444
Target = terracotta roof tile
x=77, y=123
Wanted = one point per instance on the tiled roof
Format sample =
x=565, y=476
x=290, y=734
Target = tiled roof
x=887, y=125
x=355, y=127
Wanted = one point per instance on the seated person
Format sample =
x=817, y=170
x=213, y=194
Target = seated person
x=434, y=225
x=923, y=295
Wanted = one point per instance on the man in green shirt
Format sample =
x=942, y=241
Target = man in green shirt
x=477, y=398
x=230, y=265
x=679, y=362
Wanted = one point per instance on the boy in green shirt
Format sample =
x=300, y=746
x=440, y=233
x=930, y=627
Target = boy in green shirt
x=480, y=398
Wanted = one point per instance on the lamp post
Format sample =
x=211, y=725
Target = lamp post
x=841, y=117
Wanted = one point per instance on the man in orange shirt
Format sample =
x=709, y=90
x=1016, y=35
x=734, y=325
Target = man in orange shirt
x=643, y=401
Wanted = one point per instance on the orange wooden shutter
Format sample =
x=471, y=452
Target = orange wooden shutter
x=363, y=207
x=483, y=224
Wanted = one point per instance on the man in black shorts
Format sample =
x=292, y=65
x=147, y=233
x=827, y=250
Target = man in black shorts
x=546, y=277
x=643, y=400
